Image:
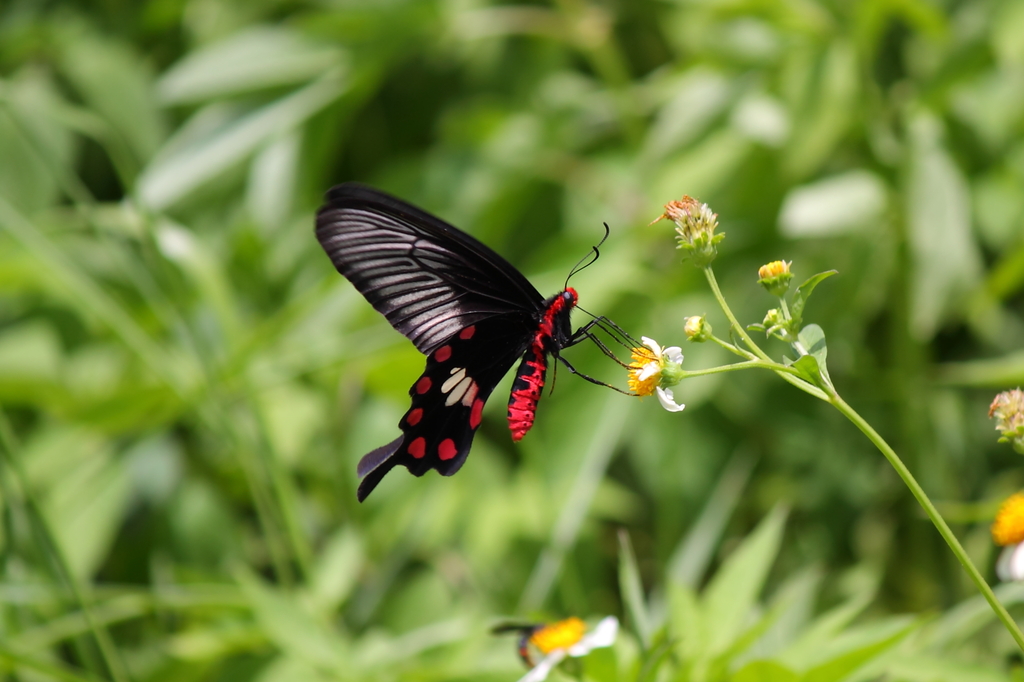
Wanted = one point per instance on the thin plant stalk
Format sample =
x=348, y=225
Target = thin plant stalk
x=933, y=514
x=833, y=398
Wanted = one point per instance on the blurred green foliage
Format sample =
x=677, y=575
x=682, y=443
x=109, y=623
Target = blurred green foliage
x=186, y=384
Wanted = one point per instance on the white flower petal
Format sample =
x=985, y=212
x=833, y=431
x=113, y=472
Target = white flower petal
x=667, y=400
x=1010, y=566
x=653, y=345
x=540, y=672
x=601, y=636
x=649, y=370
x=674, y=354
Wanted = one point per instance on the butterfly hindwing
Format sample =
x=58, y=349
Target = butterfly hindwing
x=447, y=402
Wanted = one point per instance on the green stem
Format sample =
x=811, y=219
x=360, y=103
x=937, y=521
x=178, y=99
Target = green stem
x=734, y=324
x=736, y=366
x=933, y=514
x=733, y=349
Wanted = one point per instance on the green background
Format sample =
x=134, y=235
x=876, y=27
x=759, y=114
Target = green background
x=187, y=384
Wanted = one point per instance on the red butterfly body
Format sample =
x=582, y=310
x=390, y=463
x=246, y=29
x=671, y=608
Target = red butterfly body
x=466, y=308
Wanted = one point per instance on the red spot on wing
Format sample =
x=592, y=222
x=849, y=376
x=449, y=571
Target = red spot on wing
x=414, y=416
x=447, y=450
x=468, y=332
x=418, y=447
x=476, y=413
x=443, y=353
x=423, y=385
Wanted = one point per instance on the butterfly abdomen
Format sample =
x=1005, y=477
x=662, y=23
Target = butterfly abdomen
x=549, y=338
x=526, y=389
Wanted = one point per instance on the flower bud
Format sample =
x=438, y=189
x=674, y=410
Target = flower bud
x=697, y=329
x=773, y=319
x=695, y=229
x=1008, y=410
x=775, y=277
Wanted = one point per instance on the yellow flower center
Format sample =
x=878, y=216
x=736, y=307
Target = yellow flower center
x=1008, y=528
x=641, y=358
x=560, y=635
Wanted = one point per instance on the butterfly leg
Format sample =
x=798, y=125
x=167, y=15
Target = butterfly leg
x=586, y=377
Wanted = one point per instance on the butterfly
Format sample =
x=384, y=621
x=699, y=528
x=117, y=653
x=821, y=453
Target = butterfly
x=463, y=306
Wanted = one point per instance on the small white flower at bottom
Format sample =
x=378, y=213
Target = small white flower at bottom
x=601, y=636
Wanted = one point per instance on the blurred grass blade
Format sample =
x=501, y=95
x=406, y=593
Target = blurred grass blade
x=692, y=556
x=633, y=591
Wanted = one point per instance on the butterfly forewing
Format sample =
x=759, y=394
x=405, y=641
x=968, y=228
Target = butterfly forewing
x=429, y=279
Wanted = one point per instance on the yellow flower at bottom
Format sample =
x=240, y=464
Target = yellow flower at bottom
x=1008, y=528
x=560, y=635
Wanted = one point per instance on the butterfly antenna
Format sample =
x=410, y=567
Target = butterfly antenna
x=594, y=254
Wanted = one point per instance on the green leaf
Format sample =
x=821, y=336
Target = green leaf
x=838, y=204
x=36, y=147
x=600, y=665
x=86, y=508
x=256, y=59
x=812, y=339
x=809, y=369
x=686, y=618
x=844, y=664
x=733, y=592
x=116, y=83
x=824, y=629
x=337, y=569
x=291, y=628
x=929, y=667
x=218, y=138
x=765, y=671
x=945, y=259
x=803, y=293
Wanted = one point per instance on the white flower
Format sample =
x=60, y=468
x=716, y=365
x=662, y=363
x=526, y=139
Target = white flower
x=601, y=636
x=1010, y=566
x=667, y=400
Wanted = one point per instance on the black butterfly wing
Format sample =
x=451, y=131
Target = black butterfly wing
x=459, y=302
x=448, y=401
x=429, y=279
